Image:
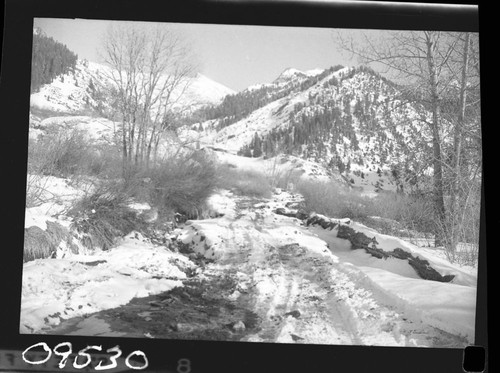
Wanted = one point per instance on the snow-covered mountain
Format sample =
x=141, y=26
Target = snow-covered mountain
x=348, y=119
x=203, y=90
x=292, y=73
x=77, y=92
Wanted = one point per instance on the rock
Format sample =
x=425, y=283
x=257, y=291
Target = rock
x=184, y=327
x=239, y=326
x=400, y=253
x=322, y=221
x=301, y=214
x=149, y=216
x=155, y=304
x=295, y=313
x=93, y=263
x=285, y=212
x=296, y=338
x=361, y=241
x=425, y=271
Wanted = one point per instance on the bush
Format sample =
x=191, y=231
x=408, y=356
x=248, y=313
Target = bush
x=244, y=182
x=103, y=216
x=280, y=176
x=40, y=244
x=37, y=244
x=397, y=211
x=67, y=154
x=104, y=162
x=60, y=153
x=412, y=212
x=181, y=184
x=331, y=199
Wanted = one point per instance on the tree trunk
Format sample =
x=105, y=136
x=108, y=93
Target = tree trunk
x=441, y=230
x=455, y=220
x=124, y=150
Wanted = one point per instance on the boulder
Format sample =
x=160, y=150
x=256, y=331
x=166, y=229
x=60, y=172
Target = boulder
x=239, y=326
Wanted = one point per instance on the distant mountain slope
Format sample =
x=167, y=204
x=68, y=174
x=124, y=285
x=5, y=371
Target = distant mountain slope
x=237, y=106
x=349, y=119
x=49, y=59
x=77, y=92
x=203, y=91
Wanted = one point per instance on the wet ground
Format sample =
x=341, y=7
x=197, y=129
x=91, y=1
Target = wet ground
x=273, y=281
x=200, y=310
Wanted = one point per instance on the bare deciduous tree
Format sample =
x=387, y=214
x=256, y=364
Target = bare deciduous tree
x=150, y=68
x=438, y=71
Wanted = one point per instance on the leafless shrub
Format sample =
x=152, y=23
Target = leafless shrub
x=331, y=199
x=181, y=184
x=103, y=216
x=244, y=182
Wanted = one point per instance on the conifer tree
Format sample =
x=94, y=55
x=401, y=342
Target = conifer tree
x=49, y=59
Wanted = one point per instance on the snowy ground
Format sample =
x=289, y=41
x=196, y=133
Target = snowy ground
x=338, y=295
x=269, y=276
x=58, y=289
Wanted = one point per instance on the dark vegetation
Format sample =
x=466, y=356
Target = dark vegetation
x=318, y=126
x=103, y=216
x=49, y=59
x=409, y=216
x=402, y=215
x=182, y=184
x=239, y=105
x=40, y=243
x=179, y=184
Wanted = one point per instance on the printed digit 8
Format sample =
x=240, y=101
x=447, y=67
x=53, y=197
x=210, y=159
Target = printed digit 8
x=184, y=366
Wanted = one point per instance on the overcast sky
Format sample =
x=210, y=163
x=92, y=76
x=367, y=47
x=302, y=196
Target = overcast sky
x=236, y=56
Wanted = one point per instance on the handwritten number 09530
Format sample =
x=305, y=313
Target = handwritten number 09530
x=65, y=354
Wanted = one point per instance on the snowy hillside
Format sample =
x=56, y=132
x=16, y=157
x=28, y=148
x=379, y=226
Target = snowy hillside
x=203, y=90
x=348, y=119
x=77, y=91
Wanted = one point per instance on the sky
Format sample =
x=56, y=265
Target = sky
x=233, y=55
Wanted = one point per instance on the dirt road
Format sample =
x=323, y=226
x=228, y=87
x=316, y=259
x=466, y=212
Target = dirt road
x=265, y=277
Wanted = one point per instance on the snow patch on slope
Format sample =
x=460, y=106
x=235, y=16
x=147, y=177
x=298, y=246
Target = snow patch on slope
x=71, y=94
x=59, y=289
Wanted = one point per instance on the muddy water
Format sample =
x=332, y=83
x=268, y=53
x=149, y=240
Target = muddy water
x=199, y=310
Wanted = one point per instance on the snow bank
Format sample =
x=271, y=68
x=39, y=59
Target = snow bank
x=205, y=237
x=58, y=289
x=449, y=307
x=97, y=129
x=446, y=306
x=58, y=193
x=222, y=203
x=464, y=275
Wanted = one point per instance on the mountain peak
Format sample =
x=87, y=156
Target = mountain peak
x=314, y=72
x=290, y=72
